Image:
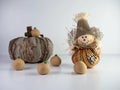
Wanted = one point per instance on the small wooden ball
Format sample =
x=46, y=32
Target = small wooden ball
x=80, y=67
x=43, y=68
x=55, y=60
x=18, y=64
x=35, y=32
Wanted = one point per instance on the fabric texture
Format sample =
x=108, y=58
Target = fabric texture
x=32, y=49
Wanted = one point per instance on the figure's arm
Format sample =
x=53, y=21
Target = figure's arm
x=98, y=49
x=73, y=48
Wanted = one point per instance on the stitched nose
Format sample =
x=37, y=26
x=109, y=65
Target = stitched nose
x=84, y=39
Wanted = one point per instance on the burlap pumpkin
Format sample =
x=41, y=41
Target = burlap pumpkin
x=31, y=49
x=88, y=56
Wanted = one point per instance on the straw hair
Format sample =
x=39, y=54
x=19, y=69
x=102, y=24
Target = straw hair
x=80, y=16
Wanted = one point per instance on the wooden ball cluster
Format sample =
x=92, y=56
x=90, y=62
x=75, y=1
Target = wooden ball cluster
x=44, y=68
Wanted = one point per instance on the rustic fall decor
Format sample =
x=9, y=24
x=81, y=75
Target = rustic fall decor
x=55, y=60
x=28, y=33
x=89, y=57
x=35, y=32
x=84, y=41
x=18, y=64
x=31, y=49
x=43, y=68
x=80, y=67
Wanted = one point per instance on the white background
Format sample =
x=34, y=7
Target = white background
x=52, y=16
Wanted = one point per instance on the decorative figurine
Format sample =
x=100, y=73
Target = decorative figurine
x=33, y=48
x=84, y=42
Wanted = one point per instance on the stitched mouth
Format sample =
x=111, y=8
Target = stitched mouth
x=84, y=44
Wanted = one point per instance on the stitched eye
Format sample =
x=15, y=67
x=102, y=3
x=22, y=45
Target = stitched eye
x=82, y=37
x=85, y=36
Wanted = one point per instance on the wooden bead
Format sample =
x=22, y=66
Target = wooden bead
x=35, y=32
x=55, y=60
x=43, y=68
x=18, y=64
x=80, y=67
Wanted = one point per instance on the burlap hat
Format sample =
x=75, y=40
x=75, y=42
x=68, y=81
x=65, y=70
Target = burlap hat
x=83, y=28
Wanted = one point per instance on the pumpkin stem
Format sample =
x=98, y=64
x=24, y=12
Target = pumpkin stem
x=56, y=55
x=28, y=33
x=45, y=62
x=19, y=57
x=35, y=28
x=42, y=35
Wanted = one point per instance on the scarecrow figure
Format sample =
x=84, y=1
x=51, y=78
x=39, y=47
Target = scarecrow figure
x=84, y=41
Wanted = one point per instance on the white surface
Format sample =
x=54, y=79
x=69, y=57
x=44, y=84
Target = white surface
x=104, y=76
x=52, y=16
